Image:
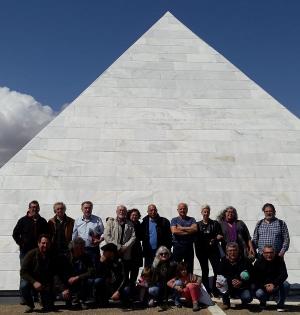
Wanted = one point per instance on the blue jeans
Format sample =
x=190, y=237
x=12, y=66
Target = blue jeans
x=244, y=294
x=154, y=292
x=47, y=296
x=282, y=291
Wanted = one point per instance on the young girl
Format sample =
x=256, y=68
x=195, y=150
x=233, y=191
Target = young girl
x=187, y=286
x=143, y=283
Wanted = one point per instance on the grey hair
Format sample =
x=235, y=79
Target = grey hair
x=78, y=241
x=122, y=207
x=161, y=249
x=232, y=245
x=59, y=203
x=221, y=216
x=269, y=246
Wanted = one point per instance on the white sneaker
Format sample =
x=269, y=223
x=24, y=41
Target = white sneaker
x=280, y=309
x=151, y=303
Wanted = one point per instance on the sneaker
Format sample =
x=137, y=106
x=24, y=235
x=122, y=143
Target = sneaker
x=196, y=307
x=151, y=303
x=281, y=309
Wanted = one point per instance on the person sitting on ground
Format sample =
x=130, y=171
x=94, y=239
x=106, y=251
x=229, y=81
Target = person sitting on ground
x=237, y=271
x=143, y=284
x=270, y=276
x=163, y=269
x=187, y=286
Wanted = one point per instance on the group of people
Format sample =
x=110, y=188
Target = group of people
x=62, y=257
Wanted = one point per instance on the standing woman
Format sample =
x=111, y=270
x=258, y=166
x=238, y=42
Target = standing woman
x=137, y=254
x=235, y=230
x=208, y=235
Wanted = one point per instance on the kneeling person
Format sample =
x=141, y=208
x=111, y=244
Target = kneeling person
x=237, y=271
x=110, y=280
x=270, y=277
x=37, y=272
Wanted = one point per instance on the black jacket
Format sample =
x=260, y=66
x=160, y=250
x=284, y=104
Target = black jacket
x=136, y=250
x=206, y=236
x=27, y=231
x=36, y=268
x=269, y=271
x=164, y=235
x=233, y=271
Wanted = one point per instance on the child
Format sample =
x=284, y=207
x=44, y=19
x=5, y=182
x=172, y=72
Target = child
x=187, y=286
x=143, y=283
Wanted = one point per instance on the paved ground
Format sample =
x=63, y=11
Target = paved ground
x=18, y=309
x=292, y=307
x=9, y=306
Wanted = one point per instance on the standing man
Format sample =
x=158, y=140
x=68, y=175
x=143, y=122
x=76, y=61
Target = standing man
x=183, y=229
x=155, y=233
x=120, y=231
x=60, y=229
x=271, y=231
x=27, y=231
x=29, y=228
x=90, y=228
x=270, y=278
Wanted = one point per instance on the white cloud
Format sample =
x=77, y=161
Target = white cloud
x=21, y=117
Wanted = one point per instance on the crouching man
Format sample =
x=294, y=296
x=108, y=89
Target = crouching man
x=270, y=278
x=37, y=272
x=78, y=272
x=111, y=282
x=237, y=271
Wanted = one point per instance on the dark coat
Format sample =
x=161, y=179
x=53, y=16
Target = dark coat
x=232, y=271
x=269, y=271
x=164, y=235
x=136, y=250
x=27, y=231
x=36, y=268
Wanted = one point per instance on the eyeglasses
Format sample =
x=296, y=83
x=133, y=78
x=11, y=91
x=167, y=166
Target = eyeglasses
x=164, y=254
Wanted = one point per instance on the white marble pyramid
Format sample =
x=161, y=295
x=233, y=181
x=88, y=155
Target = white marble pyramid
x=171, y=120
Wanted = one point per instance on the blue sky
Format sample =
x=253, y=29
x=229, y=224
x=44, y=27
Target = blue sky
x=52, y=50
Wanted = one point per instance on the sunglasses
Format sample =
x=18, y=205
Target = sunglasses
x=164, y=254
